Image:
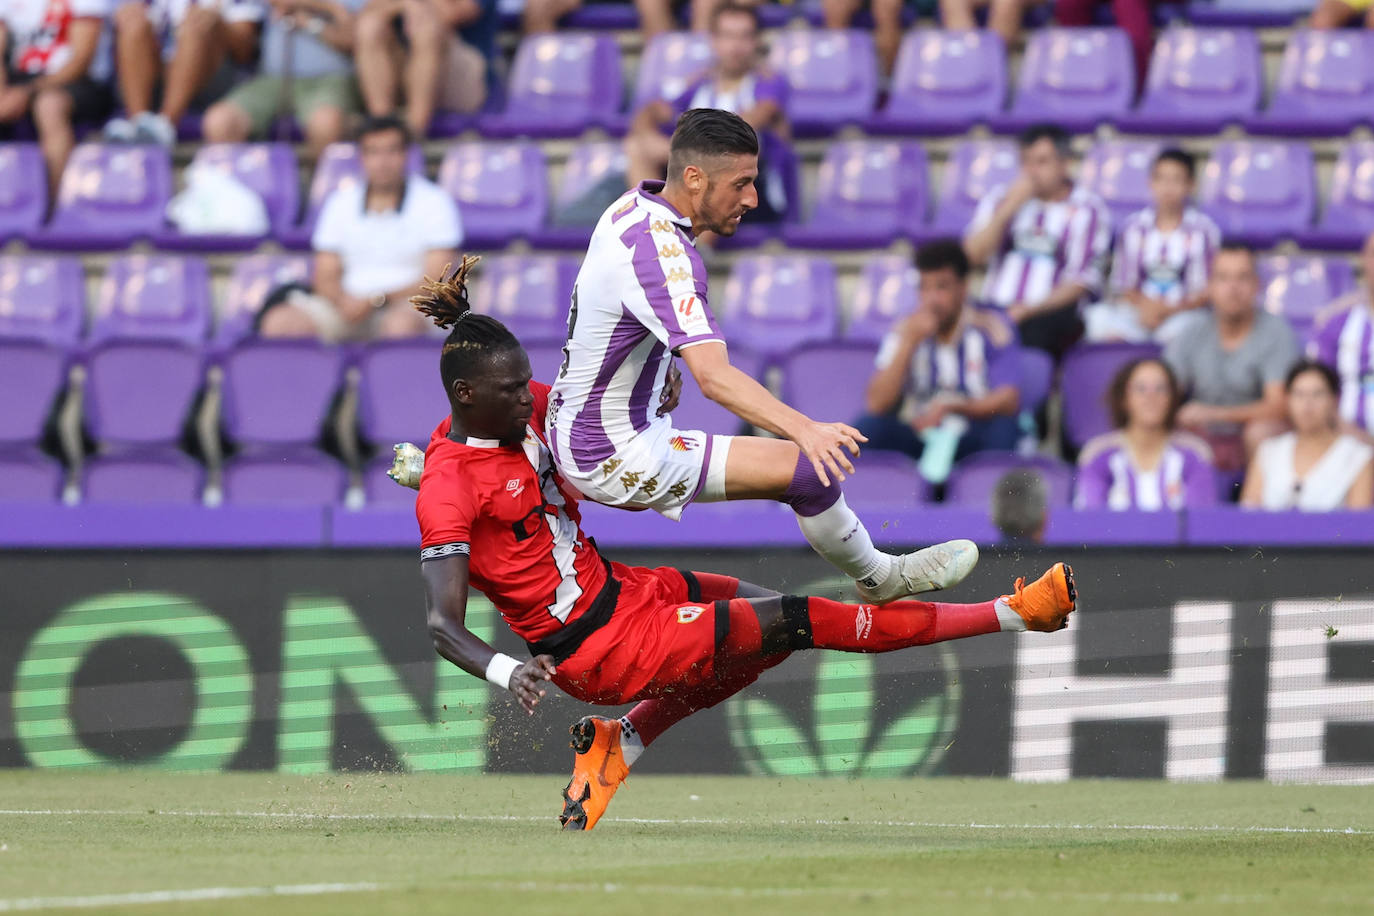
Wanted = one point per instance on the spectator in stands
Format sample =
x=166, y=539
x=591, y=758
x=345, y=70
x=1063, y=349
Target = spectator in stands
x=1045, y=243
x=1232, y=360
x=56, y=70
x=1145, y=463
x=376, y=241
x=655, y=16
x=945, y=366
x=1345, y=342
x=183, y=51
x=307, y=48
x=1335, y=14
x=1004, y=16
x=436, y=53
x=1133, y=16
x=1162, y=262
x=887, y=25
x=1316, y=467
x=1020, y=506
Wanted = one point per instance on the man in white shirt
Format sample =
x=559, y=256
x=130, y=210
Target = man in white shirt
x=374, y=244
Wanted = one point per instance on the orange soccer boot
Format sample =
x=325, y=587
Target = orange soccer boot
x=598, y=770
x=1047, y=602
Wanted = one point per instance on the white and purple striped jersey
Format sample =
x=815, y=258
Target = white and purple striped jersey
x=640, y=298
x=1109, y=479
x=1345, y=342
x=982, y=358
x=1047, y=243
x=1170, y=266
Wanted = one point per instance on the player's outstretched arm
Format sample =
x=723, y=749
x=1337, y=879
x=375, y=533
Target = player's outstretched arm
x=446, y=595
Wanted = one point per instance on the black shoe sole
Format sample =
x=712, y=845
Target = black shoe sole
x=1073, y=587
x=583, y=735
x=574, y=816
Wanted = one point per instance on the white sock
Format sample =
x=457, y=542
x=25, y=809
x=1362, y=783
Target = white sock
x=843, y=542
x=1009, y=619
x=630, y=745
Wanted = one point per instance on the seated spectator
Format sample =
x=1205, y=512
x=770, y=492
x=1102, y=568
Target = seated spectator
x=1316, y=467
x=1335, y=14
x=1345, y=342
x=1020, y=507
x=437, y=54
x=1133, y=16
x=655, y=16
x=1145, y=463
x=56, y=70
x=183, y=51
x=945, y=366
x=1004, y=16
x=1045, y=242
x=307, y=48
x=1162, y=260
x=1232, y=360
x=375, y=243
x=887, y=25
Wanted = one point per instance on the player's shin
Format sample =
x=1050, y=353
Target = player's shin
x=831, y=527
x=824, y=624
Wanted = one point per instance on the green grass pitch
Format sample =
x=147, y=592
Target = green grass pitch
x=138, y=841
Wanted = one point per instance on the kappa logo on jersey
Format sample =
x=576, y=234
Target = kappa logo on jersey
x=661, y=225
x=626, y=208
x=514, y=487
x=863, y=621
x=681, y=444
x=689, y=613
x=676, y=275
x=670, y=251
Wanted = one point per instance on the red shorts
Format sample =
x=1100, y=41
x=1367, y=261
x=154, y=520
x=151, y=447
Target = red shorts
x=662, y=637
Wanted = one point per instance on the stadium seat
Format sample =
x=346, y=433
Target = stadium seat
x=310, y=478
x=560, y=85
x=975, y=168
x=1200, y=81
x=28, y=475
x=109, y=197
x=832, y=74
x=1036, y=377
x=1325, y=85
x=944, y=82
x=1118, y=171
x=695, y=411
x=588, y=166
x=400, y=397
x=501, y=190
x=267, y=168
x=886, y=291
x=1076, y=78
x=139, y=392
x=42, y=298
x=826, y=381
x=32, y=375
x=1248, y=13
x=972, y=481
x=529, y=294
x=23, y=190
x=1349, y=215
x=1259, y=191
x=278, y=392
x=773, y=303
x=338, y=166
x=153, y=297
x=1298, y=287
x=885, y=481
x=252, y=280
x=869, y=193
x=163, y=477
x=1085, y=376
x=670, y=61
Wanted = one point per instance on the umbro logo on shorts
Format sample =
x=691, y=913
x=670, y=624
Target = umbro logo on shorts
x=689, y=613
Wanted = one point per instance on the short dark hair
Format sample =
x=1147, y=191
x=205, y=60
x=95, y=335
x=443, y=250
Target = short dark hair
x=1116, y=392
x=731, y=8
x=1020, y=501
x=473, y=337
x=1236, y=246
x=377, y=124
x=943, y=254
x=1179, y=156
x=704, y=133
x=1333, y=381
x=1051, y=132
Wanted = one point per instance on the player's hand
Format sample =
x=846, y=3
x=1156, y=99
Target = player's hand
x=354, y=309
x=1020, y=190
x=1194, y=415
x=1152, y=312
x=672, y=390
x=919, y=325
x=933, y=415
x=825, y=445
x=527, y=681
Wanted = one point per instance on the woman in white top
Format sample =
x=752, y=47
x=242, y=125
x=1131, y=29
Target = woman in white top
x=1316, y=467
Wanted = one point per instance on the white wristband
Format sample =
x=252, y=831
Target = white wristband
x=500, y=668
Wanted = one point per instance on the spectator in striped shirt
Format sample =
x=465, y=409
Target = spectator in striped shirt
x=1045, y=242
x=1163, y=261
x=946, y=362
x=1345, y=342
x=1145, y=463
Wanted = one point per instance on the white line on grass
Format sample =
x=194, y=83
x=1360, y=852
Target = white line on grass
x=728, y=822
x=188, y=895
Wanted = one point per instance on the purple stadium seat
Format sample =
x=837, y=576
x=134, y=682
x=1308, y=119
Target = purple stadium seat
x=1119, y=172
x=773, y=303
x=589, y=165
x=545, y=362
x=300, y=477
x=32, y=375
x=501, y=189
x=1200, y=80
x=1259, y=191
x=278, y=392
x=944, y=82
x=110, y=196
x=23, y=190
x=869, y=193
x=529, y=294
x=252, y=280
x=826, y=381
x=338, y=166
x=833, y=76
x=399, y=395
x=140, y=392
x=1037, y=377
x=972, y=481
x=163, y=477
x=27, y=475
x=974, y=168
x=885, y=481
x=267, y=168
x=695, y=411
x=561, y=84
x=1325, y=86
x=1349, y=214
x=1086, y=374
x=1299, y=287
x=381, y=490
x=886, y=292
x=1076, y=78
x=1256, y=14
x=609, y=16
x=153, y=297
x=671, y=60
x=41, y=298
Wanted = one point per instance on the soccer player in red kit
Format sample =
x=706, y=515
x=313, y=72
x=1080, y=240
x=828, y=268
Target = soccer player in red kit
x=496, y=515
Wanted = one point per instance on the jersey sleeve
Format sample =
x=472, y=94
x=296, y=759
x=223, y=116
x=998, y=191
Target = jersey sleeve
x=446, y=510
x=986, y=207
x=1089, y=245
x=672, y=278
x=1094, y=480
x=329, y=230
x=540, y=391
x=1004, y=366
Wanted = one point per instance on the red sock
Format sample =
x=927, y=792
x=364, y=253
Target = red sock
x=870, y=628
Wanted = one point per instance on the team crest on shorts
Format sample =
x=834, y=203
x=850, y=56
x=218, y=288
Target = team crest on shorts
x=689, y=613
x=681, y=443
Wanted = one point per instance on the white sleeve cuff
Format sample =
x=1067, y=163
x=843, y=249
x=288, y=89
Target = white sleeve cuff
x=500, y=669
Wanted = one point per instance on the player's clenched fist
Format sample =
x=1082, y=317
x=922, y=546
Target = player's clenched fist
x=527, y=681
x=825, y=444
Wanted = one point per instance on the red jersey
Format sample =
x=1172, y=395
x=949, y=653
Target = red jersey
x=508, y=509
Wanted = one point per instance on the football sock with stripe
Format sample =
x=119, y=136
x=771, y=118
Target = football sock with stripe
x=831, y=527
x=824, y=624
